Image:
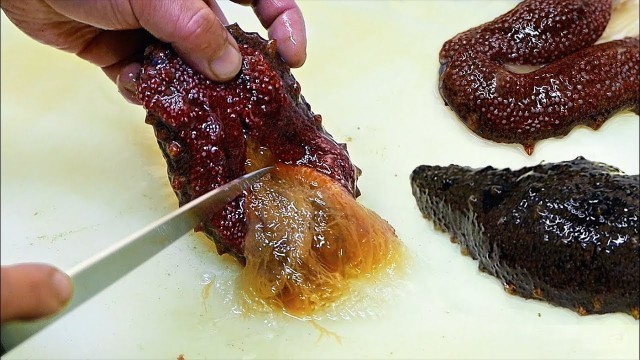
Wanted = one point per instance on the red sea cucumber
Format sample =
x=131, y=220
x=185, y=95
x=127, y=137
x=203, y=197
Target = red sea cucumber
x=586, y=87
x=583, y=84
x=535, y=32
x=299, y=231
x=201, y=126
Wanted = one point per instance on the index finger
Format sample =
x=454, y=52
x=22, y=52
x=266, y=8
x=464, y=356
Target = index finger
x=284, y=20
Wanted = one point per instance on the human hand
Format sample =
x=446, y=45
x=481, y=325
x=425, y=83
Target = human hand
x=30, y=291
x=113, y=33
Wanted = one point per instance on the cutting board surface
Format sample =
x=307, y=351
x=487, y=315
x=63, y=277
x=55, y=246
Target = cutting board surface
x=80, y=170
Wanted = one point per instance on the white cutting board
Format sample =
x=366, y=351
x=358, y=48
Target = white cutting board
x=80, y=170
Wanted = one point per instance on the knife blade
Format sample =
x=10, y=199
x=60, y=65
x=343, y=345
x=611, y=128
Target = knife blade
x=100, y=271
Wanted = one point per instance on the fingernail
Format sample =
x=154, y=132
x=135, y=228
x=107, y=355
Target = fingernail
x=62, y=284
x=129, y=95
x=227, y=65
x=126, y=82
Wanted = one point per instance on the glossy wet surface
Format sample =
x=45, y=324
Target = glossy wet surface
x=581, y=84
x=562, y=232
x=65, y=196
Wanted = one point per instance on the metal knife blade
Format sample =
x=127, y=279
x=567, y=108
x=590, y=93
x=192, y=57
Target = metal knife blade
x=97, y=273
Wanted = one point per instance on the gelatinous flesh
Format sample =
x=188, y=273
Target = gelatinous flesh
x=299, y=230
x=562, y=232
x=583, y=84
x=307, y=237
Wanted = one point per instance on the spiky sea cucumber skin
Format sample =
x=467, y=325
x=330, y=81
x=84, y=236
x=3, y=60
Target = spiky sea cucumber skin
x=204, y=127
x=582, y=83
x=584, y=88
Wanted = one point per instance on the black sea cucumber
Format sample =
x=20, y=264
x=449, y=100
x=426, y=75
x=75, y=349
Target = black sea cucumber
x=562, y=232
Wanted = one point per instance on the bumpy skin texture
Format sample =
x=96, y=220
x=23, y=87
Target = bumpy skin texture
x=562, y=232
x=582, y=85
x=203, y=127
x=535, y=32
x=585, y=88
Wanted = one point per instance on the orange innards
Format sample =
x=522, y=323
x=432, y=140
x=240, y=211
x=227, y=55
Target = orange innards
x=308, y=237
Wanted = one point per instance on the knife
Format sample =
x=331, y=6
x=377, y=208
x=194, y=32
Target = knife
x=97, y=273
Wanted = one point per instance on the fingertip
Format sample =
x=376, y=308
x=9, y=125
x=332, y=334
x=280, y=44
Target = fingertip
x=32, y=291
x=292, y=51
x=286, y=25
x=292, y=45
x=297, y=58
x=126, y=82
x=62, y=285
x=227, y=65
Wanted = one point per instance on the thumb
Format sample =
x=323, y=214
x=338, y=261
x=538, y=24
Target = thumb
x=195, y=32
x=30, y=291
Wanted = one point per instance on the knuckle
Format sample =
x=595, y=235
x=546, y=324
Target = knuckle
x=201, y=25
